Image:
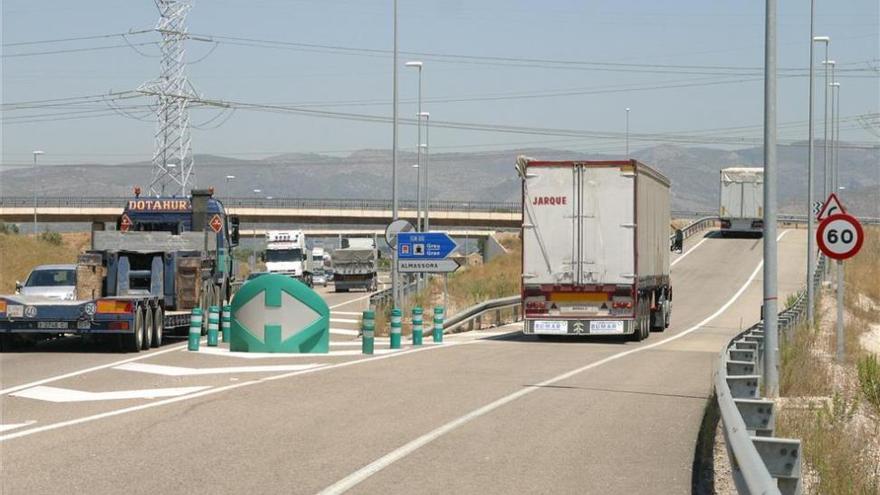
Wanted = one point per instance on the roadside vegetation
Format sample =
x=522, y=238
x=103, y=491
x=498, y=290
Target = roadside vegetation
x=834, y=408
x=470, y=285
x=20, y=252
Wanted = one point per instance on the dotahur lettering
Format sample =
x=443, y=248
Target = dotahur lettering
x=550, y=200
x=158, y=204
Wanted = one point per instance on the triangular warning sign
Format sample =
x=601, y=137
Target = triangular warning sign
x=832, y=206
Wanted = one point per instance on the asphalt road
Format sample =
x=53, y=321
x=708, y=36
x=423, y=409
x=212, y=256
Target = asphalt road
x=486, y=412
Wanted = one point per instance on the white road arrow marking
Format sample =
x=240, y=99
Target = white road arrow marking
x=54, y=394
x=12, y=426
x=158, y=369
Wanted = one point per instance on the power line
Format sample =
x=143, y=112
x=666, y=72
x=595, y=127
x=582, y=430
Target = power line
x=78, y=38
x=73, y=50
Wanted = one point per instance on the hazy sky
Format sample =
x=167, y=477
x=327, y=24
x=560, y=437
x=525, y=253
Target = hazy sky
x=706, y=55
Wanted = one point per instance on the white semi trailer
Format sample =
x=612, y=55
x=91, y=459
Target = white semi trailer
x=286, y=254
x=595, y=248
x=742, y=200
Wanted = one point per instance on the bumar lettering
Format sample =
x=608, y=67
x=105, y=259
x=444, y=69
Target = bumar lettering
x=550, y=200
x=158, y=204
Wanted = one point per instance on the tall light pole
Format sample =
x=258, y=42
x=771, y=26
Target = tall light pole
x=829, y=105
x=811, y=240
x=228, y=178
x=836, y=174
x=835, y=131
x=418, y=196
x=34, y=188
x=394, y=282
x=771, y=320
x=252, y=260
x=835, y=170
x=627, y=132
x=427, y=196
x=418, y=65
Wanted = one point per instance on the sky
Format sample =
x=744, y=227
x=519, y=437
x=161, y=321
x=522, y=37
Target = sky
x=691, y=68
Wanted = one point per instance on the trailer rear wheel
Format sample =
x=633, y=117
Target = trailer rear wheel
x=147, y=339
x=132, y=342
x=158, y=327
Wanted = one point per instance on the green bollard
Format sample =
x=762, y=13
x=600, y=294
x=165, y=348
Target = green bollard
x=226, y=322
x=368, y=326
x=195, y=329
x=213, y=325
x=395, y=328
x=438, y=324
x=417, y=326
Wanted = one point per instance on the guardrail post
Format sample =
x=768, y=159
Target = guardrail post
x=395, y=328
x=195, y=329
x=516, y=313
x=497, y=317
x=417, y=326
x=368, y=327
x=213, y=325
x=438, y=324
x=226, y=322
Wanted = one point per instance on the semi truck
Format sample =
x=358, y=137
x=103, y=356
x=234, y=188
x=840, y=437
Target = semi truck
x=742, y=200
x=596, y=243
x=286, y=254
x=355, y=265
x=167, y=256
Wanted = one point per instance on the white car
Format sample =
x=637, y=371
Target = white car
x=50, y=281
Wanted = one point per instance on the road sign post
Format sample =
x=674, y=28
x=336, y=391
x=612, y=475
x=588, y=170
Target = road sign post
x=276, y=313
x=840, y=237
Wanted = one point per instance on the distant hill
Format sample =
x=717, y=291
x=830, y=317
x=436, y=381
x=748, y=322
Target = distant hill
x=461, y=176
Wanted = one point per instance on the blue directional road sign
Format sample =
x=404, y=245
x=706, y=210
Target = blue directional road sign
x=424, y=245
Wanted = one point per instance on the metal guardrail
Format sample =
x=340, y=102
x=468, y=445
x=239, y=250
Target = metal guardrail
x=760, y=462
x=476, y=312
x=385, y=296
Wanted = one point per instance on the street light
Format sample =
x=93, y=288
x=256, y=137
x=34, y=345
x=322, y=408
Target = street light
x=835, y=131
x=229, y=178
x=34, y=187
x=427, y=117
x=418, y=65
x=829, y=146
x=627, y=132
x=811, y=241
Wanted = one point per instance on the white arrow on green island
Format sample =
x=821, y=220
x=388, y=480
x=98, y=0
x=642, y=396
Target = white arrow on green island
x=296, y=316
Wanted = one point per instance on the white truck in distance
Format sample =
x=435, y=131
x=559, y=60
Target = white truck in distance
x=286, y=254
x=742, y=200
x=595, y=248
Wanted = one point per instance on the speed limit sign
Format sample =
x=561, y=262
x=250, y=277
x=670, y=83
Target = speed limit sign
x=840, y=236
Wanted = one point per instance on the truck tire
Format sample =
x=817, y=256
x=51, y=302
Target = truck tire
x=158, y=326
x=132, y=342
x=639, y=334
x=147, y=339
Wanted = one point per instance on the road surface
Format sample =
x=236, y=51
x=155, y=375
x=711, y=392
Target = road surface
x=486, y=412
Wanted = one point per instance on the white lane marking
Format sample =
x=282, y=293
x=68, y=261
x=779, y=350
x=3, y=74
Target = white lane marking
x=347, y=313
x=222, y=351
x=343, y=331
x=89, y=370
x=13, y=426
x=210, y=391
x=343, y=320
x=353, y=300
x=160, y=369
x=54, y=394
x=689, y=251
x=381, y=463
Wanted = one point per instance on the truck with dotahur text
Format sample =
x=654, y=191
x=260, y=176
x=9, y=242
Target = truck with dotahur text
x=596, y=248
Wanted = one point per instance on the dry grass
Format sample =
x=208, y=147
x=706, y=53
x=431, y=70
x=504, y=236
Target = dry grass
x=798, y=354
x=20, y=253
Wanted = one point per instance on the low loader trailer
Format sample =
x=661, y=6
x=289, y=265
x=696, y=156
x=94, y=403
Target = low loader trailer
x=167, y=256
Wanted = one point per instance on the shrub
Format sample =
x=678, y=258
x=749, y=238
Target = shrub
x=8, y=228
x=53, y=238
x=869, y=379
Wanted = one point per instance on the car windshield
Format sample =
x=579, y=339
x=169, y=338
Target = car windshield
x=51, y=278
x=275, y=255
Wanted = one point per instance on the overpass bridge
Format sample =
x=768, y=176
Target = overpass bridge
x=443, y=214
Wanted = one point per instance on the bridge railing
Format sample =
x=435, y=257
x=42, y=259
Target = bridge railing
x=760, y=462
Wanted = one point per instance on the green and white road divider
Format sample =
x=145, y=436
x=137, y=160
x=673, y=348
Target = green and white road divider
x=226, y=322
x=438, y=324
x=195, y=329
x=417, y=326
x=213, y=325
x=368, y=326
x=396, y=315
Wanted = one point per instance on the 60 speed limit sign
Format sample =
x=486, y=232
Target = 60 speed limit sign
x=840, y=236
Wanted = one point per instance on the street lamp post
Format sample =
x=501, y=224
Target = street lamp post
x=427, y=117
x=228, y=178
x=418, y=65
x=836, y=174
x=811, y=240
x=627, y=132
x=252, y=260
x=418, y=196
x=835, y=132
x=395, y=289
x=829, y=107
x=34, y=188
